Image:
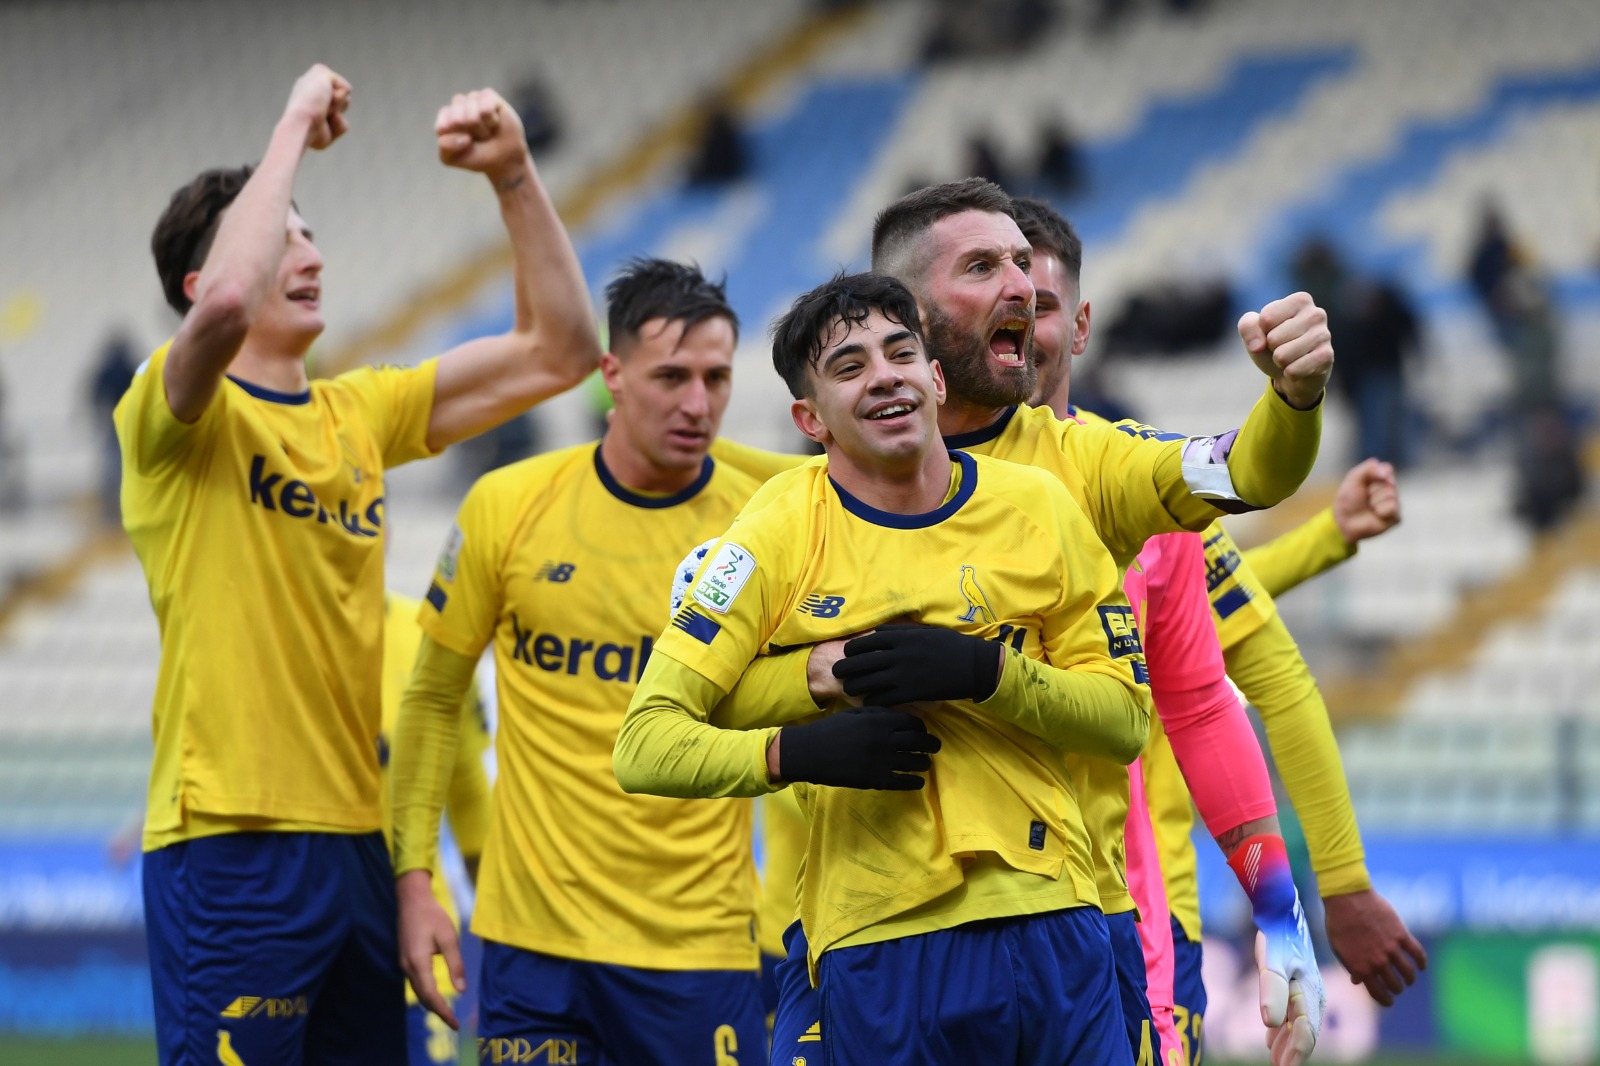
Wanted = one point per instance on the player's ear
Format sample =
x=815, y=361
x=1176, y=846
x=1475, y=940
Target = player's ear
x=1080, y=329
x=191, y=286
x=804, y=413
x=611, y=373
x=939, y=390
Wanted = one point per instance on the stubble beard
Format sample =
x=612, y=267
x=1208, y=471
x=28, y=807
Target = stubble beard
x=970, y=374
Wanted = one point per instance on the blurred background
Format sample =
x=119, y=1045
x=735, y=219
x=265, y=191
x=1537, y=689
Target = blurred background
x=1430, y=170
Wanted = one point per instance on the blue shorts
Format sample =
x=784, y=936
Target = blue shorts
x=1188, y=994
x=278, y=947
x=1133, y=987
x=797, y=1021
x=769, y=981
x=1035, y=989
x=541, y=1008
x=429, y=1041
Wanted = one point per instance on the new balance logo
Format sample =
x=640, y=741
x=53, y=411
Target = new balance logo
x=554, y=571
x=822, y=606
x=266, y=1007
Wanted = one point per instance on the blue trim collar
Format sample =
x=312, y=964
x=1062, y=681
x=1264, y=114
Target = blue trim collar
x=294, y=399
x=984, y=435
x=868, y=513
x=628, y=496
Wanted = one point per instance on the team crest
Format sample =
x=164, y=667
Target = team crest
x=978, y=609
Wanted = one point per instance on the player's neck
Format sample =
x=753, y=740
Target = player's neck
x=916, y=488
x=1057, y=401
x=276, y=370
x=958, y=416
x=634, y=470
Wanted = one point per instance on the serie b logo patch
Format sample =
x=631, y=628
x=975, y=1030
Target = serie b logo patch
x=724, y=578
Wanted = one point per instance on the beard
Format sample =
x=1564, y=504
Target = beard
x=970, y=372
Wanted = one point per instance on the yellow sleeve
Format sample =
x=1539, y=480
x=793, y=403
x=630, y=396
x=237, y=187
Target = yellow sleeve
x=1309, y=549
x=773, y=690
x=755, y=462
x=1239, y=603
x=1275, y=450
x=1269, y=670
x=150, y=435
x=426, y=737
x=1084, y=711
x=666, y=747
x=398, y=402
x=462, y=605
x=468, y=804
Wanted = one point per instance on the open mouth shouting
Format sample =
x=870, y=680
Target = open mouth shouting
x=1008, y=344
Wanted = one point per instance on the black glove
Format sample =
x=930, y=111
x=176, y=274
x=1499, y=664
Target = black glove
x=909, y=663
x=864, y=747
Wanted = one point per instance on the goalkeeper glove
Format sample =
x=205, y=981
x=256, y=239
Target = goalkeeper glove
x=1292, y=997
x=865, y=747
x=910, y=663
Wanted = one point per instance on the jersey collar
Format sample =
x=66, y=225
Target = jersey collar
x=636, y=499
x=984, y=435
x=868, y=513
x=294, y=399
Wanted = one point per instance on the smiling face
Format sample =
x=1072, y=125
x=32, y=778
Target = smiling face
x=671, y=387
x=874, y=397
x=290, y=318
x=978, y=305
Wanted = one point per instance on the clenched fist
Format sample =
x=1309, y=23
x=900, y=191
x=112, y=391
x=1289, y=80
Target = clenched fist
x=1368, y=501
x=479, y=131
x=320, y=98
x=1290, y=342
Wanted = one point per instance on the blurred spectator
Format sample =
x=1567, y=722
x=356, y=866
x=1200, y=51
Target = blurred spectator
x=506, y=443
x=722, y=157
x=983, y=161
x=536, y=107
x=1060, y=169
x=967, y=28
x=1318, y=269
x=1550, y=477
x=1172, y=318
x=113, y=373
x=1383, y=338
x=1493, y=257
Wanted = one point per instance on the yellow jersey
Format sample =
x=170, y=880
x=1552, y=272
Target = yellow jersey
x=566, y=571
x=996, y=832
x=260, y=531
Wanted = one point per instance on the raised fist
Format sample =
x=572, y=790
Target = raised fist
x=1290, y=342
x=320, y=97
x=479, y=131
x=1368, y=501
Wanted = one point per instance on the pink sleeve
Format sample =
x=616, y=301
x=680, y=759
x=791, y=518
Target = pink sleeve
x=1210, y=733
x=1149, y=891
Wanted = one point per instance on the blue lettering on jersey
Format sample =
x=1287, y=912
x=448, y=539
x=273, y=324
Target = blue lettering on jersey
x=552, y=654
x=554, y=571
x=296, y=500
x=822, y=606
x=698, y=625
x=1144, y=432
x=1122, y=634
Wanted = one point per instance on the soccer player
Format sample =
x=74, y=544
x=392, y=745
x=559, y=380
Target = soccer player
x=959, y=250
x=1365, y=933
x=986, y=873
x=255, y=502
x=429, y=1041
x=616, y=928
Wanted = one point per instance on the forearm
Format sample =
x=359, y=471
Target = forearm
x=772, y=691
x=1268, y=668
x=1218, y=754
x=468, y=804
x=1275, y=450
x=426, y=734
x=666, y=747
x=1309, y=549
x=1082, y=711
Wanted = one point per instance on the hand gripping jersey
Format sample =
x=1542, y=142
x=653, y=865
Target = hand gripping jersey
x=807, y=562
x=562, y=569
x=260, y=530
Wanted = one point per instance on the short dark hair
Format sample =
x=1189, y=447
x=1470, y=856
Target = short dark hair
x=182, y=238
x=1049, y=233
x=647, y=288
x=799, y=337
x=900, y=226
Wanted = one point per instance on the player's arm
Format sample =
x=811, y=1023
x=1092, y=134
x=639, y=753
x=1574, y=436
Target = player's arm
x=552, y=344
x=468, y=804
x=1366, y=504
x=427, y=735
x=1363, y=929
x=242, y=265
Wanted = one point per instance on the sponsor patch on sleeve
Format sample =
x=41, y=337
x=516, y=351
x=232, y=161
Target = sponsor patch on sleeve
x=724, y=578
x=451, y=553
x=1144, y=432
